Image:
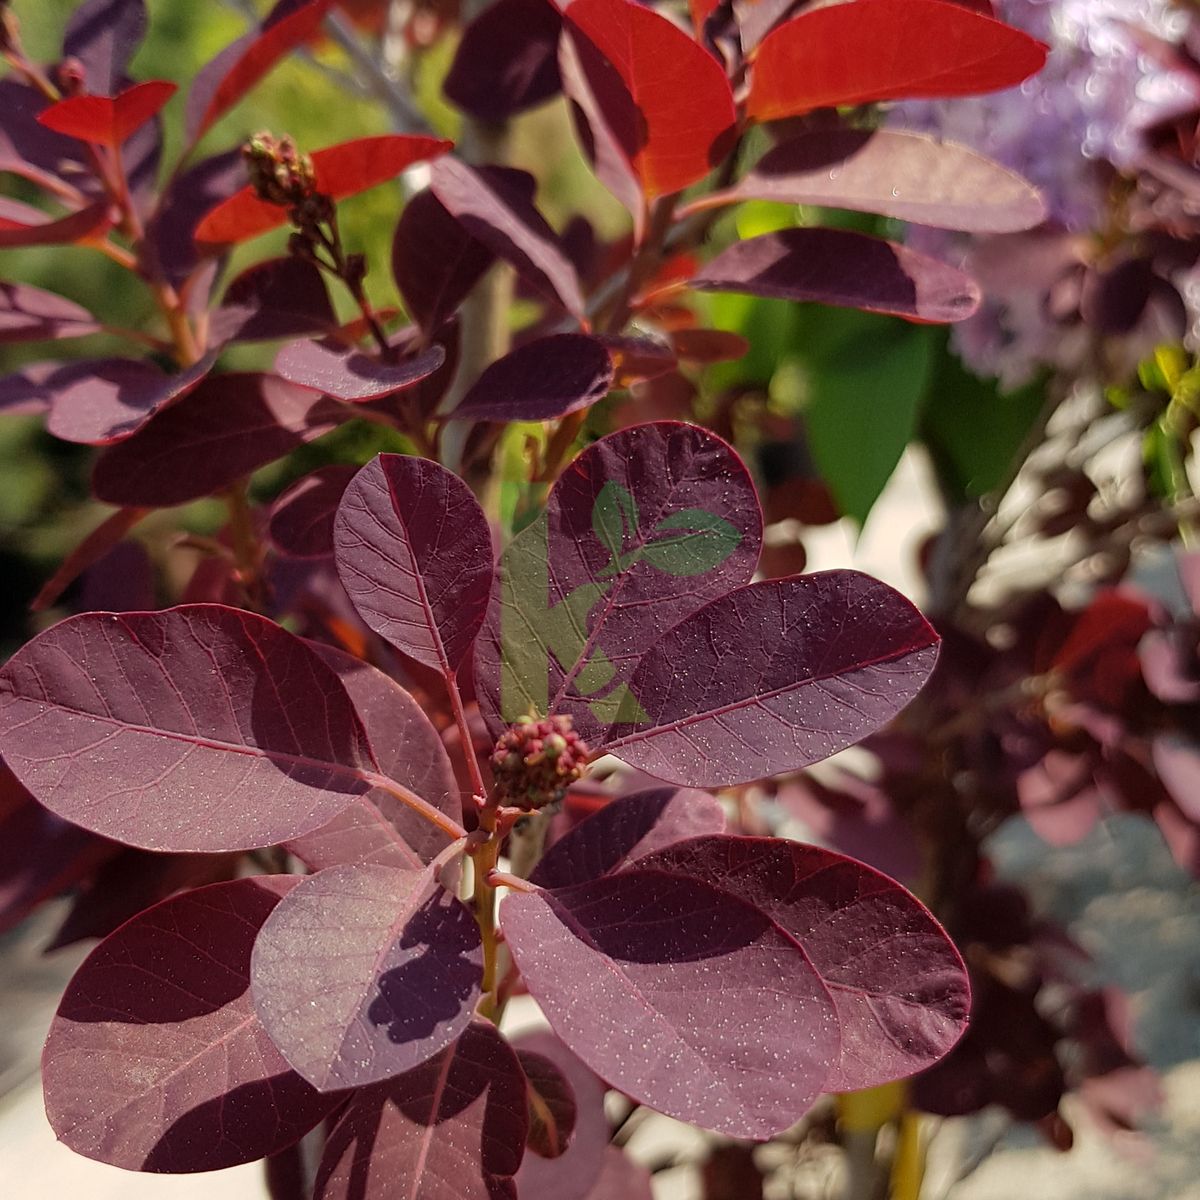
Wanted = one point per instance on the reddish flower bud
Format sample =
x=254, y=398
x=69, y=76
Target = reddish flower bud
x=537, y=760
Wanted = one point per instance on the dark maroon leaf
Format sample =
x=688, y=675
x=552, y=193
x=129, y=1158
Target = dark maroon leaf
x=349, y=373
x=22, y=225
x=839, y=266
x=572, y=1175
x=641, y=530
x=89, y=551
x=551, y=1103
x=365, y=972
x=495, y=206
x=377, y=828
x=122, y=580
x=625, y=830
x=301, y=524
x=110, y=399
x=104, y=35
x=227, y=427
x=507, y=60
x=904, y=175
x=435, y=261
x=32, y=151
x=282, y=297
x=414, y=552
x=899, y=985
x=453, y=1129
x=155, y=1061
x=200, y=728
x=27, y=314
x=25, y=390
x=780, y=674
x=541, y=380
x=679, y=994
x=620, y=1179
x=424, y=396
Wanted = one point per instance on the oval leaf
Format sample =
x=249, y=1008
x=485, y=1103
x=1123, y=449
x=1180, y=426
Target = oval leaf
x=899, y=984
x=841, y=267
x=348, y=373
x=108, y=120
x=301, y=522
x=551, y=1103
x=541, y=381
x=197, y=728
x=282, y=297
x=155, y=1061
x=22, y=225
x=365, y=972
x=104, y=35
x=28, y=314
x=682, y=996
x=414, y=552
x=886, y=50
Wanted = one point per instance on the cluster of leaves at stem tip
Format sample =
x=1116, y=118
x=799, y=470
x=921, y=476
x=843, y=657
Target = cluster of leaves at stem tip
x=724, y=979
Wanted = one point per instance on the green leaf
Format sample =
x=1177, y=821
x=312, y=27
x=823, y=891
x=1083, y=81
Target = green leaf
x=702, y=543
x=614, y=517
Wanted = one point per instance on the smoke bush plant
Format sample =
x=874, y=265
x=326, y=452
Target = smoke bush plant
x=723, y=978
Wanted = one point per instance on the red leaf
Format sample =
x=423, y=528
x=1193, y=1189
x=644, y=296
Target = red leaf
x=649, y=93
x=21, y=225
x=348, y=373
x=108, y=120
x=838, y=266
x=342, y=170
x=155, y=1061
x=301, y=521
x=364, y=972
x=414, y=552
x=886, y=50
x=241, y=65
x=551, y=1103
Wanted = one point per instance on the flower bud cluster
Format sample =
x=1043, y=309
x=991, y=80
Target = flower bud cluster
x=279, y=173
x=537, y=760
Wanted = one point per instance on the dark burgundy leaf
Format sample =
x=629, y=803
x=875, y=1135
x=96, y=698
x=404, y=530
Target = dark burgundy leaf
x=282, y=297
x=551, y=1103
x=572, y=1175
x=21, y=225
x=94, y=547
x=25, y=390
x=227, y=78
x=348, y=373
x=365, y=972
x=681, y=995
x=122, y=580
x=839, y=266
x=157, y=729
x=27, y=314
x=541, y=381
x=625, y=830
x=453, y=1129
x=414, y=552
x=708, y=345
x=641, y=530
x=378, y=828
x=30, y=150
x=104, y=35
x=495, y=206
x=885, y=50
x=226, y=428
x=899, y=985
x=904, y=175
x=780, y=674
x=435, y=261
x=110, y=399
x=155, y=1061
x=301, y=523
x=507, y=60
x=108, y=120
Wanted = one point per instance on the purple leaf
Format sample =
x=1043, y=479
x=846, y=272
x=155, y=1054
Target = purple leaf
x=571, y=1175
x=30, y=150
x=422, y=399
x=200, y=728
x=155, y=1061
x=226, y=428
x=551, y=1104
x=414, y=552
x=1177, y=761
x=27, y=314
x=627, y=829
x=454, y=1129
x=109, y=399
x=495, y=206
x=282, y=297
x=377, y=828
x=86, y=554
x=366, y=972
x=120, y=580
x=680, y=995
x=899, y=985
x=23, y=225
x=838, y=266
x=541, y=381
x=641, y=530
x=347, y=373
x=620, y=1179
x=26, y=390
x=507, y=60
x=435, y=261
x=907, y=176
x=301, y=523
x=780, y=674
x=104, y=35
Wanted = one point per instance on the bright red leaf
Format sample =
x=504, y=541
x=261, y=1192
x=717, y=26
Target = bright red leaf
x=108, y=120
